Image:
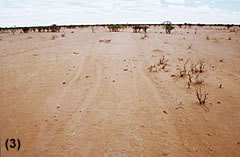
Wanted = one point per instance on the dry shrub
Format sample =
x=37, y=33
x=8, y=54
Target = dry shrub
x=199, y=67
x=194, y=68
x=190, y=76
x=152, y=68
x=229, y=38
x=63, y=35
x=201, y=95
x=183, y=72
x=53, y=37
x=145, y=36
x=106, y=41
x=207, y=37
x=162, y=60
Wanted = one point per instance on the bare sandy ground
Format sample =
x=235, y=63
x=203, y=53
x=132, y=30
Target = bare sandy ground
x=76, y=96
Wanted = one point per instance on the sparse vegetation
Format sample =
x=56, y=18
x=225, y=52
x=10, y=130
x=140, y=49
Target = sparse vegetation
x=199, y=67
x=198, y=80
x=180, y=25
x=114, y=28
x=160, y=66
x=54, y=37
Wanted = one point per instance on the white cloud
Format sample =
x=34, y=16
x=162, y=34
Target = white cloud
x=47, y=12
x=205, y=14
x=175, y=1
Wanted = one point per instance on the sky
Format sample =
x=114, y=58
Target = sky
x=66, y=12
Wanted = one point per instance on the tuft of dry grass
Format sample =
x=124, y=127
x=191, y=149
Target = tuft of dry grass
x=156, y=50
x=220, y=86
x=190, y=47
x=105, y=41
x=189, y=85
x=53, y=37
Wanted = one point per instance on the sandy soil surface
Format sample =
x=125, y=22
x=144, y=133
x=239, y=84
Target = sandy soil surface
x=77, y=96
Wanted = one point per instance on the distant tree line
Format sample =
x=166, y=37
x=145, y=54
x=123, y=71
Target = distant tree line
x=112, y=27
